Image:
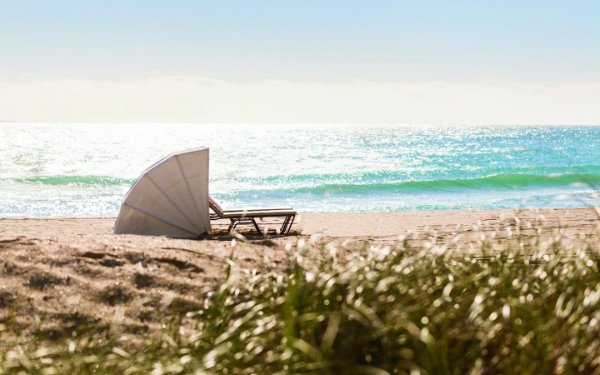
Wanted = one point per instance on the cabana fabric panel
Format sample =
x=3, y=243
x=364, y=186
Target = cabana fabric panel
x=170, y=198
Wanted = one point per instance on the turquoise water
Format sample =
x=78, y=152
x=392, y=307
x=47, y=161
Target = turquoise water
x=85, y=169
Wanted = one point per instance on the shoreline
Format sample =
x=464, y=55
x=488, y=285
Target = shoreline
x=327, y=224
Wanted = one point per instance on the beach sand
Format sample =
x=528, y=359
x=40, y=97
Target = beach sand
x=59, y=272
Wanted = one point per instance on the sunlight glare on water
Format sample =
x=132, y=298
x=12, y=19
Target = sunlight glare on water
x=85, y=169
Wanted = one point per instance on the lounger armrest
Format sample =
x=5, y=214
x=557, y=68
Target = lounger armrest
x=259, y=209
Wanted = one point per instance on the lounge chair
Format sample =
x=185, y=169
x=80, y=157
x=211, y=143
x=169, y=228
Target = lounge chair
x=249, y=216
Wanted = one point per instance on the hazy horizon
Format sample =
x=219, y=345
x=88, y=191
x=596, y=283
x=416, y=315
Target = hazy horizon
x=414, y=63
x=356, y=124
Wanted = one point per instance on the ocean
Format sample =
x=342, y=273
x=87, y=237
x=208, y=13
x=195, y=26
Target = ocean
x=84, y=170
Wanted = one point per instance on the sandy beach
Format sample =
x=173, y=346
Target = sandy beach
x=55, y=272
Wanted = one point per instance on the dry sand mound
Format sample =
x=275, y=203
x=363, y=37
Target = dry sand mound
x=48, y=286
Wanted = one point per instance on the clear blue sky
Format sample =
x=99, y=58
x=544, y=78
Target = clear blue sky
x=325, y=42
x=312, y=40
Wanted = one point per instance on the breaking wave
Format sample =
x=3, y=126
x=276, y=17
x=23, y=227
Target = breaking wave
x=75, y=180
x=493, y=182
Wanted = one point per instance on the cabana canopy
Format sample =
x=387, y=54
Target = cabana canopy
x=170, y=198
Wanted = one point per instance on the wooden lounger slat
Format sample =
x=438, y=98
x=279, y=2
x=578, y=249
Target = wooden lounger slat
x=258, y=213
x=258, y=209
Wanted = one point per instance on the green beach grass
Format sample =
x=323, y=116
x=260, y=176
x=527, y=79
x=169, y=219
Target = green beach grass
x=381, y=310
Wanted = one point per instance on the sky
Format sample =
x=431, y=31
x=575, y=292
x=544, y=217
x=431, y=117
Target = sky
x=305, y=61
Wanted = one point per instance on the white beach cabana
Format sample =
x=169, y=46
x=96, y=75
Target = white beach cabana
x=170, y=198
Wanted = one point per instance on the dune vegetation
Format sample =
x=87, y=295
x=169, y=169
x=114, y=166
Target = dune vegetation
x=518, y=306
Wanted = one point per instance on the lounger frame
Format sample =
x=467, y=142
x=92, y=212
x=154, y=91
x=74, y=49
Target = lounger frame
x=249, y=216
